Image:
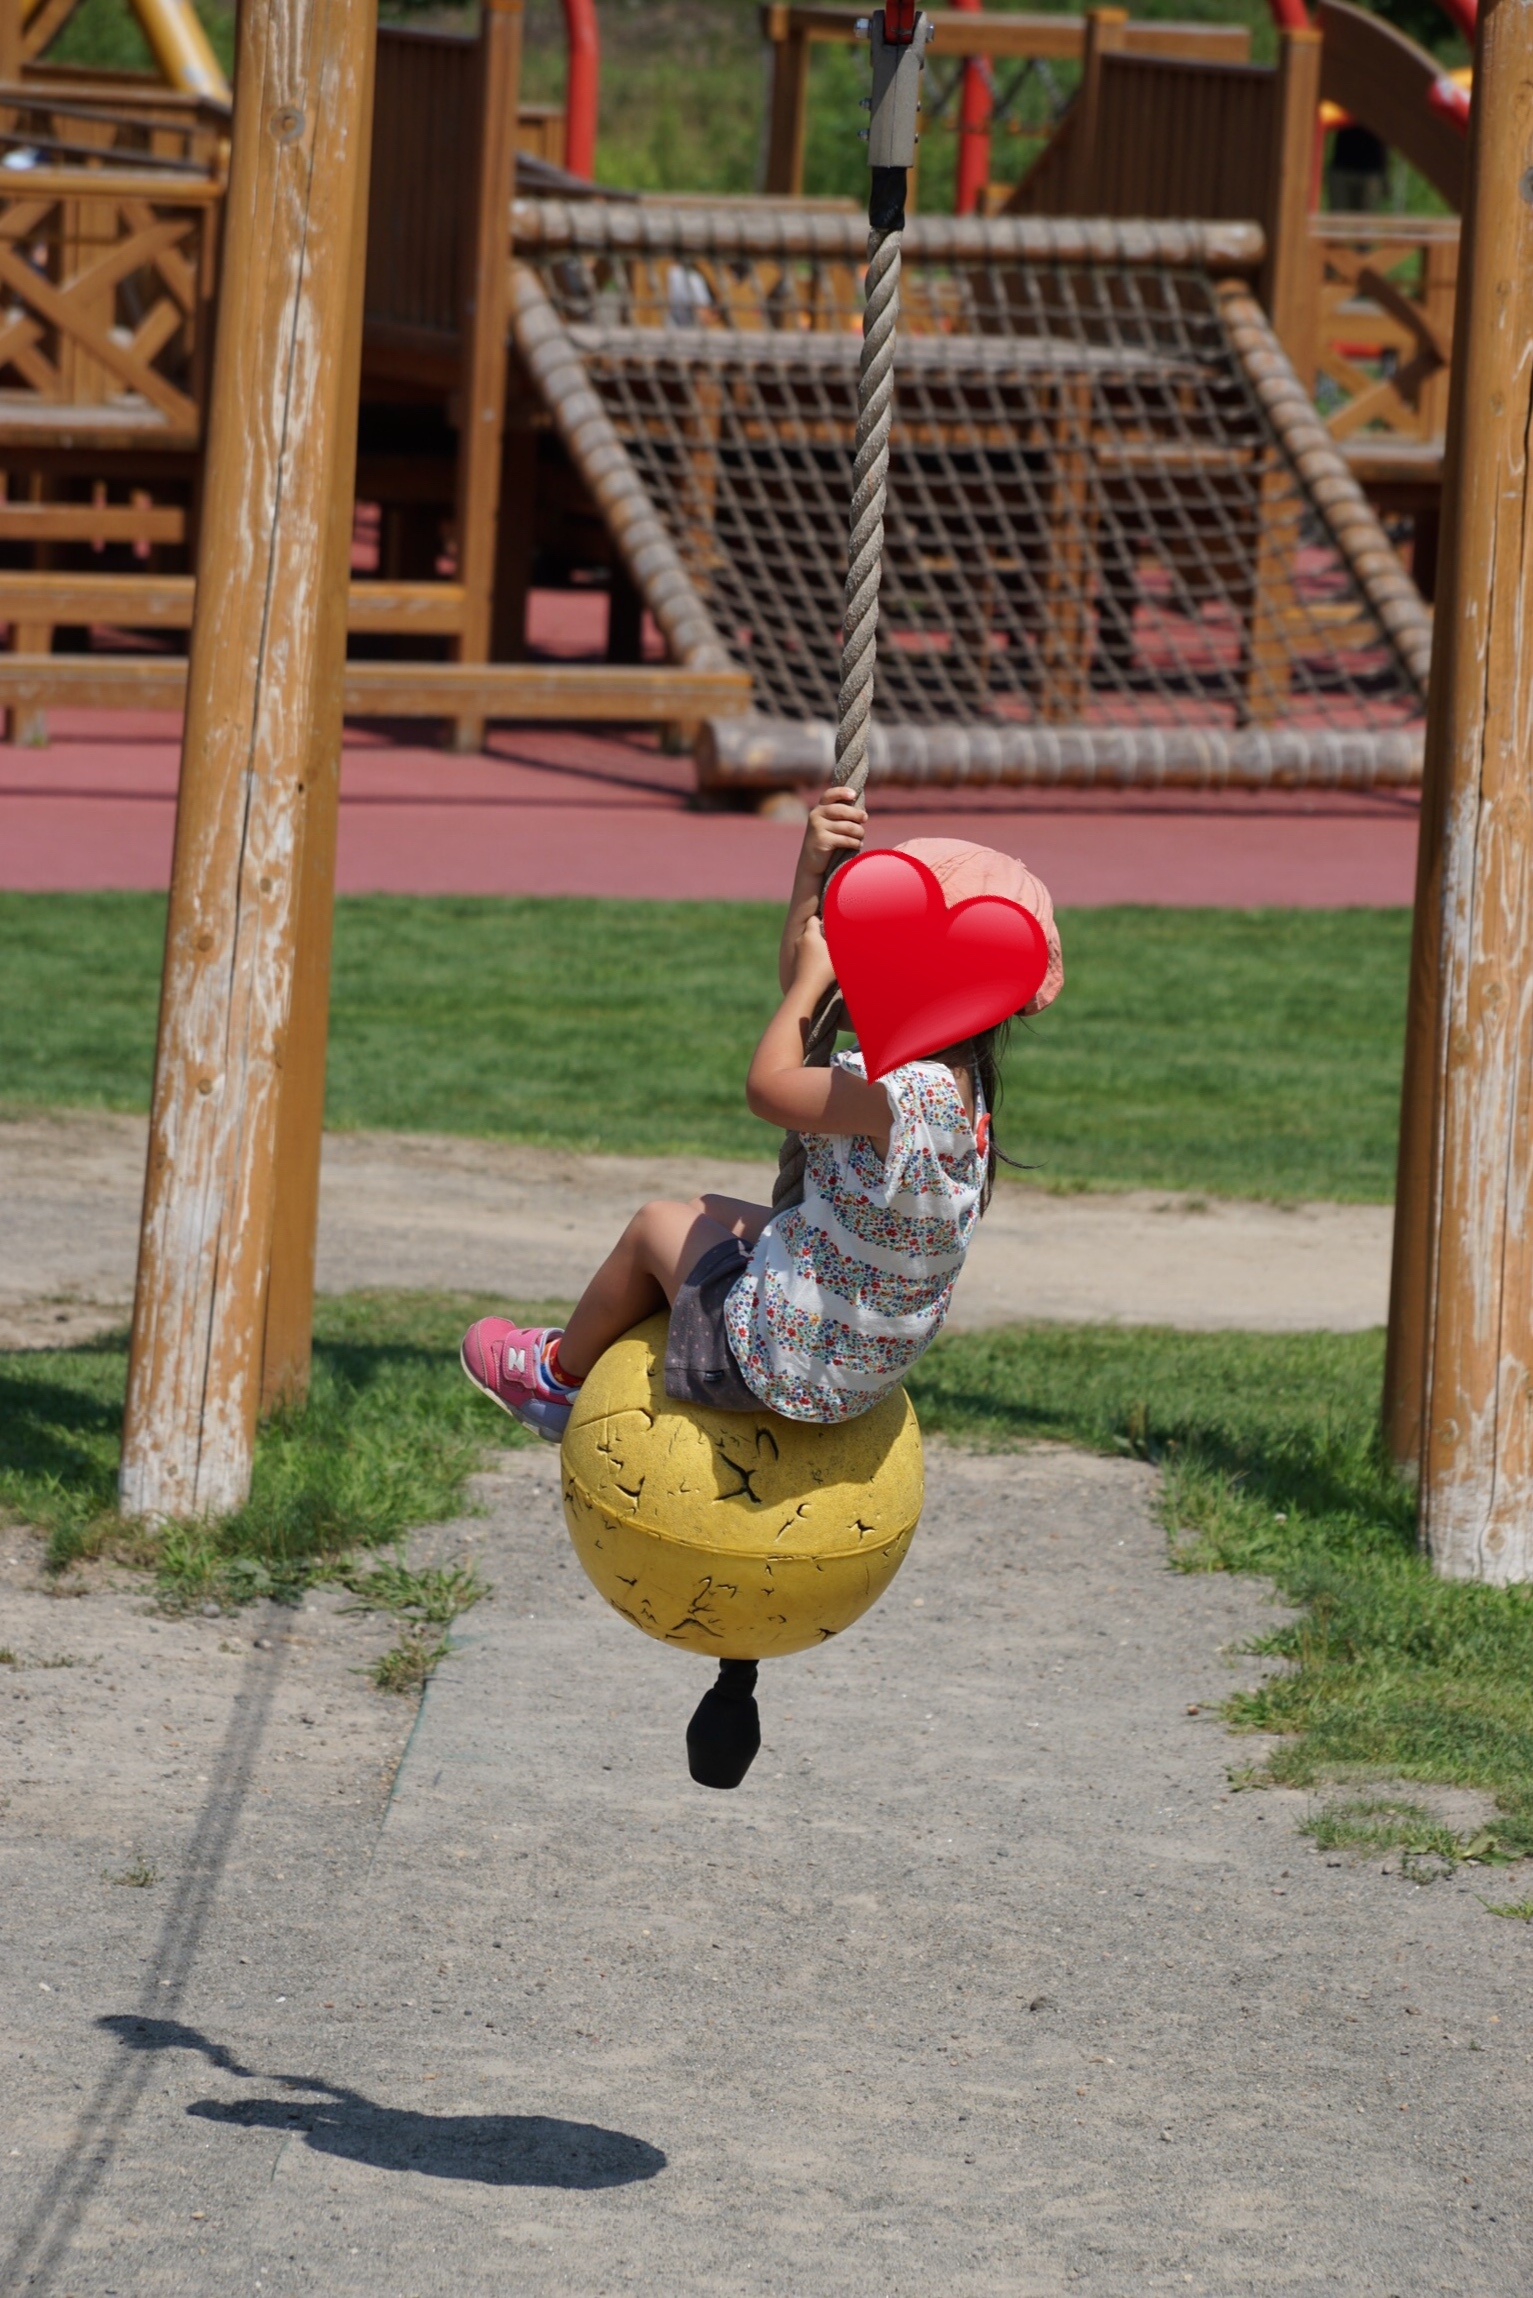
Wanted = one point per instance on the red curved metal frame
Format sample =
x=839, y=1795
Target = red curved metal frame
x=1293, y=15
x=1446, y=97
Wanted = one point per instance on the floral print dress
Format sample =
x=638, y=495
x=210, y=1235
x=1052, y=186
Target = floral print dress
x=845, y=1291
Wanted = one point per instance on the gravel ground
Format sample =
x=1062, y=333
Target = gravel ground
x=985, y=1982
x=441, y=1211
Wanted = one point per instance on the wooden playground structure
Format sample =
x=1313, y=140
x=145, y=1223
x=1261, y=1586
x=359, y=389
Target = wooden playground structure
x=105, y=389
x=1119, y=547
x=1173, y=120
x=469, y=489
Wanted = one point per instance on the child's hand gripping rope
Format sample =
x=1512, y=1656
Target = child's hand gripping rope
x=837, y=825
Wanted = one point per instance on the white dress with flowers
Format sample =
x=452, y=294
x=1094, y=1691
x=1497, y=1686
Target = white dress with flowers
x=845, y=1291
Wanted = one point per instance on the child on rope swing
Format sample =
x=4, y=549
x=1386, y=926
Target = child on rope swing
x=819, y=1309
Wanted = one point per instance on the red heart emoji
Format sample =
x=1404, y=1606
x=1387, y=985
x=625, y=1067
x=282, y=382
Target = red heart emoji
x=917, y=975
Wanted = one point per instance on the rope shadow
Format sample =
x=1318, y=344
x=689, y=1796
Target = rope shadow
x=49, y=2230
x=485, y=2149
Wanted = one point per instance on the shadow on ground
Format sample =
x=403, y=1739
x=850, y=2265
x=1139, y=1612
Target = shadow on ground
x=489, y=2149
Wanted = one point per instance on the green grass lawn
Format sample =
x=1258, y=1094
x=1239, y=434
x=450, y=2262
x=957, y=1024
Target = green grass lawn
x=1267, y=1444
x=1227, y=1052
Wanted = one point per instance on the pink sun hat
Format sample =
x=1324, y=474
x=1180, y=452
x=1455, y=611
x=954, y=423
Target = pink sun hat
x=963, y=871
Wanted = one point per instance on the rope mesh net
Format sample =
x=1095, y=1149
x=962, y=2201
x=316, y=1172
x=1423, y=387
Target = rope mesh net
x=1093, y=523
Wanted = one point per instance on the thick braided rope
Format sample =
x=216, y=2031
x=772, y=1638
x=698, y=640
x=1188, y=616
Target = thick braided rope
x=870, y=490
x=859, y=629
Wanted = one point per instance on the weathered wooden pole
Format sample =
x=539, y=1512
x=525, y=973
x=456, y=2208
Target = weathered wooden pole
x=1405, y=1356
x=289, y=1328
x=1470, y=1243
x=264, y=684
x=1405, y=1351
x=483, y=333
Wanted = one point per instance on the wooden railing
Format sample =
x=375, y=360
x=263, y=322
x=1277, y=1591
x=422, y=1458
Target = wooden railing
x=1384, y=328
x=1384, y=296
x=106, y=287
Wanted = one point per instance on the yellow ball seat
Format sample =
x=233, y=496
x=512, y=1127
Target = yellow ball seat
x=739, y=1534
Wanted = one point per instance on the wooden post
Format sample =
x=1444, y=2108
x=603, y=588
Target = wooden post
x=28, y=726
x=1106, y=35
x=486, y=319
x=515, y=538
x=789, y=104
x=1464, y=1241
x=1405, y=1352
x=1439, y=290
x=289, y=1333
x=1405, y=1349
x=10, y=39
x=265, y=671
x=1290, y=279
x=1275, y=530
x=1290, y=291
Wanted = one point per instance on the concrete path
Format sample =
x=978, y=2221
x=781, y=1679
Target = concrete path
x=548, y=810
x=528, y=1224
x=984, y=1983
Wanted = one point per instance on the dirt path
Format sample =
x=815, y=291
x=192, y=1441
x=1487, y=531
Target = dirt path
x=985, y=1983
x=402, y=1209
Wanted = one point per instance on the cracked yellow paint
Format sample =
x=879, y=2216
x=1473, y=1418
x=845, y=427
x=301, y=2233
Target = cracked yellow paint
x=736, y=1533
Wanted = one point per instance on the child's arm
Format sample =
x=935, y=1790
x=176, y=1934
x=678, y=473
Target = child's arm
x=778, y=1086
x=838, y=824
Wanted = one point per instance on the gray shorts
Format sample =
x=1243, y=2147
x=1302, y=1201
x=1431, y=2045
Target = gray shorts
x=700, y=1365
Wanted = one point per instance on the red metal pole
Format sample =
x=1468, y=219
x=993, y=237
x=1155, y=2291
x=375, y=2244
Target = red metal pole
x=583, y=87
x=974, y=110
x=1463, y=15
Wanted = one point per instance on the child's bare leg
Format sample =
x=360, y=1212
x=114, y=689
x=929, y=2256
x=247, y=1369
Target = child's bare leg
x=663, y=1242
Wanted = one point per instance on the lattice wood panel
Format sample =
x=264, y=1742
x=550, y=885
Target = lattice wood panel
x=106, y=284
x=1385, y=324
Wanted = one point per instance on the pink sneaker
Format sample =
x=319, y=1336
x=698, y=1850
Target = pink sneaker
x=506, y=1362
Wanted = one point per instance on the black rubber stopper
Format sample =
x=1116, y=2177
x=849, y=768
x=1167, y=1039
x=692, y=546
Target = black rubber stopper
x=724, y=1736
x=886, y=200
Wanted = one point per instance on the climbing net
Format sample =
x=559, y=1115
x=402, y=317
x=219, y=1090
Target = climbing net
x=1112, y=512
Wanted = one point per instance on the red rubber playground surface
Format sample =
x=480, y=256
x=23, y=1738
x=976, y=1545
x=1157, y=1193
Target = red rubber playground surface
x=568, y=811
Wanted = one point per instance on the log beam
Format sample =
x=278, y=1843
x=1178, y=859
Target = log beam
x=263, y=708
x=574, y=693
x=1005, y=37
x=149, y=602
x=288, y=1334
x=484, y=329
x=1290, y=282
x=1461, y=1354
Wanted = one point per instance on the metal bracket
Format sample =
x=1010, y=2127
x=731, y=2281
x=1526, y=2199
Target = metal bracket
x=897, y=68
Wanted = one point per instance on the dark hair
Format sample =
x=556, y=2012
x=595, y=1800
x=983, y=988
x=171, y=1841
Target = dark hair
x=982, y=1056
